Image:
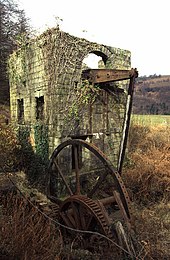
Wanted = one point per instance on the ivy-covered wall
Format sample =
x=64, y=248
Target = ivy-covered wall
x=46, y=89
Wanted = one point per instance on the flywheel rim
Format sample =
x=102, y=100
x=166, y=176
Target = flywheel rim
x=106, y=162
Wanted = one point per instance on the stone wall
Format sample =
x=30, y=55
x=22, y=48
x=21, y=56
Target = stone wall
x=46, y=88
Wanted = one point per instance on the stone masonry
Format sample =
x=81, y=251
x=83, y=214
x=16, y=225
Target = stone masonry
x=45, y=78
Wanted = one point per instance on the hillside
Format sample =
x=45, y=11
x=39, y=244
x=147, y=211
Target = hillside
x=152, y=95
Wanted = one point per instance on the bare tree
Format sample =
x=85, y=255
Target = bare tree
x=13, y=23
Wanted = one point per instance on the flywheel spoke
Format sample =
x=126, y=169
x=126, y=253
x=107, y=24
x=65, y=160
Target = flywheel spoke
x=62, y=176
x=67, y=220
x=77, y=169
x=76, y=215
x=89, y=221
x=83, y=217
x=72, y=219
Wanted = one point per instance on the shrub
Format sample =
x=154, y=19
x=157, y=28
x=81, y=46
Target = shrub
x=9, y=147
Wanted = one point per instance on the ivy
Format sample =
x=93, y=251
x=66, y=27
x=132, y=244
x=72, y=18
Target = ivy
x=23, y=134
x=26, y=155
x=34, y=163
x=41, y=141
x=85, y=94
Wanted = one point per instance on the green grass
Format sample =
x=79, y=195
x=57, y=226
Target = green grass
x=151, y=120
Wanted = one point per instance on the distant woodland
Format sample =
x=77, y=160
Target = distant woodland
x=152, y=95
x=14, y=25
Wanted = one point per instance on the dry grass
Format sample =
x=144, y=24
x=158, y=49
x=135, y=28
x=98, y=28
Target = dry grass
x=147, y=178
x=9, y=147
x=152, y=226
x=25, y=233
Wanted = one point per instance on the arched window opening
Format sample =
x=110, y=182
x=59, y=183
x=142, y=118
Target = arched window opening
x=94, y=60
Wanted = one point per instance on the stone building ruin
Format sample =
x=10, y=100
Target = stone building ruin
x=49, y=98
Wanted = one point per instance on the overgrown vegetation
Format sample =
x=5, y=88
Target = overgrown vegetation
x=27, y=234
x=33, y=162
x=147, y=177
x=41, y=141
x=9, y=146
x=85, y=95
x=17, y=154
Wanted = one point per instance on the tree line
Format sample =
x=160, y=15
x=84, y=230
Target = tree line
x=13, y=24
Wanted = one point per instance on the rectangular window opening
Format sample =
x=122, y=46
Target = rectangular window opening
x=40, y=108
x=20, y=111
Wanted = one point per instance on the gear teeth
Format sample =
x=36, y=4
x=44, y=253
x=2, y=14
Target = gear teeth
x=95, y=210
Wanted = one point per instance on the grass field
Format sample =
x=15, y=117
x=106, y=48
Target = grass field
x=151, y=120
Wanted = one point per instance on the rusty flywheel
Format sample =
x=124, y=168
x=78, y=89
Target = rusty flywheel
x=82, y=213
x=88, y=189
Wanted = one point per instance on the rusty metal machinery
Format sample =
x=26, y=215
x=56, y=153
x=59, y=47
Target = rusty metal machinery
x=87, y=187
x=105, y=77
x=108, y=75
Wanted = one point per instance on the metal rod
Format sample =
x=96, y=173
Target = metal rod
x=77, y=169
x=108, y=200
x=126, y=124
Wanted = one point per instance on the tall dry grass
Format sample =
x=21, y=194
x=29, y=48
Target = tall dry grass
x=9, y=147
x=25, y=233
x=148, y=174
x=147, y=177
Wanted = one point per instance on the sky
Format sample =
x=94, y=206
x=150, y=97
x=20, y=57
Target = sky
x=140, y=26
